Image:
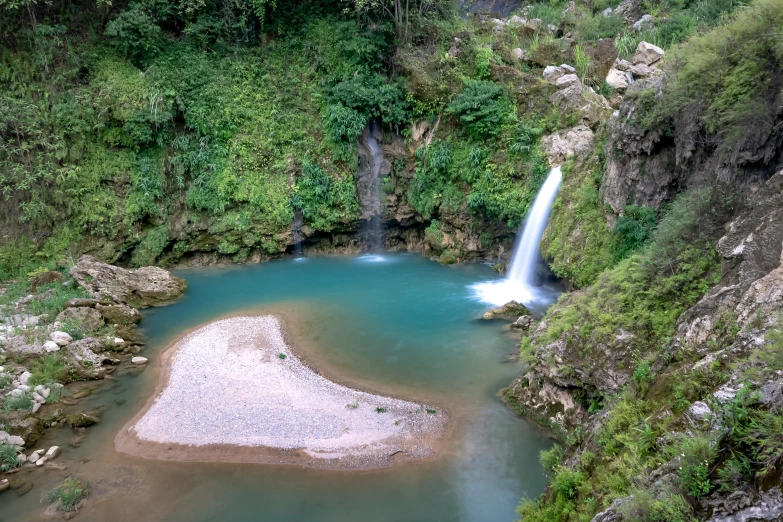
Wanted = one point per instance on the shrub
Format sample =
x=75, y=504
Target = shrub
x=551, y=459
x=599, y=26
x=481, y=107
x=9, y=458
x=448, y=257
x=633, y=229
x=135, y=34
x=47, y=370
x=68, y=494
x=18, y=403
x=724, y=74
x=696, y=454
x=72, y=327
x=151, y=247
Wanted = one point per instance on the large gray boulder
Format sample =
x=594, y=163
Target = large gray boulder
x=89, y=318
x=647, y=54
x=564, y=144
x=140, y=288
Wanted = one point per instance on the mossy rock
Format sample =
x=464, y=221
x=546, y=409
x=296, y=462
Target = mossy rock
x=511, y=310
x=81, y=420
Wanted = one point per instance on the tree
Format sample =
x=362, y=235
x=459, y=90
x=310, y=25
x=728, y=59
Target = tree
x=399, y=11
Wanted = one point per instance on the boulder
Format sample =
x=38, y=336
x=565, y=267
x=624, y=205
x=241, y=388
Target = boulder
x=118, y=313
x=629, y=10
x=51, y=346
x=647, y=54
x=139, y=360
x=61, y=338
x=518, y=53
x=645, y=22
x=567, y=143
x=34, y=456
x=24, y=378
x=36, y=407
x=81, y=420
x=523, y=323
x=617, y=79
x=129, y=333
x=699, y=411
x=89, y=318
x=15, y=440
x=553, y=73
x=567, y=80
x=40, y=462
x=80, y=301
x=602, y=55
x=53, y=452
x=146, y=286
x=511, y=310
x=49, y=276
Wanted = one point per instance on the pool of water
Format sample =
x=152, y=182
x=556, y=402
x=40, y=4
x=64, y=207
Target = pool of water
x=397, y=324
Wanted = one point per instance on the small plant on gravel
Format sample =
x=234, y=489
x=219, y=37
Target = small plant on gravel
x=9, y=458
x=352, y=405
x=282, y=356
x=73, y=327
x=381, y=410
x=68, y=494
x=56, y=393
x=51, y=368
x=431, y=411
x=18, y=403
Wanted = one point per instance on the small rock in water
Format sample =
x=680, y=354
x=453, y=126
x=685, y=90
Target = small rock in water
x=51, y=346
x=40, y=462
x=4, y=485
x=523, y=323
x=81, y=393
x=53, y=452
x=81, y=420
x=61, y=338
x=139, y=360
x=36, y=407
x=34, y=456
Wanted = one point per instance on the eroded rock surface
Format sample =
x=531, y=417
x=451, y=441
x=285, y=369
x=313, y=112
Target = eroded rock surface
x=142, y=287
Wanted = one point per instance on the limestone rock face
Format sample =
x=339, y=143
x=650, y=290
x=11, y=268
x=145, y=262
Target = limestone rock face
x=143, y=287
x=566, y=143
x=647, y=54
x=89, y=318
x=553, y=73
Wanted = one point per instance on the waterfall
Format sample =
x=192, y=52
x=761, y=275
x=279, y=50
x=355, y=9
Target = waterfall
x=297, y=232
x=527, y=254
x=520, y=282
x=370, y=191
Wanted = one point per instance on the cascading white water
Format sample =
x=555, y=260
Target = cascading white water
x=526, y=254
x=370, y=192
x=520, y=282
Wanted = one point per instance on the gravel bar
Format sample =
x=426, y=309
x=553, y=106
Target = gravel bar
x=236, y=383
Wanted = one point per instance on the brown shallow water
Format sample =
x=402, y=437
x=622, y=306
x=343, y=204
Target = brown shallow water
x=403, y=327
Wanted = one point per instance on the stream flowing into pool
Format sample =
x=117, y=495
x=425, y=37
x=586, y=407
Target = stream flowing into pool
x=397, y=324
